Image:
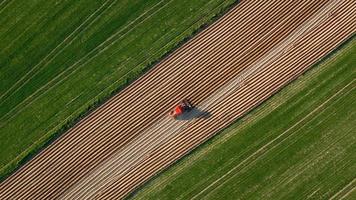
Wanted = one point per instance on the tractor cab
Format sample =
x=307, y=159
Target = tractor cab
x=181, y=108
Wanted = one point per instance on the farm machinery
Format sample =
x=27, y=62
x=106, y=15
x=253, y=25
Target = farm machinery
x=181, y=108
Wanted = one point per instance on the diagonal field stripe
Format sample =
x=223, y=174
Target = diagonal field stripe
x=270, y=143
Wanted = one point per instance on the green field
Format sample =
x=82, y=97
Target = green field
x=59, y=58
x=300, y=144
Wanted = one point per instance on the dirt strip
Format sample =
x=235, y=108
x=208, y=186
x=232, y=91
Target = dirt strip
x=228, y=69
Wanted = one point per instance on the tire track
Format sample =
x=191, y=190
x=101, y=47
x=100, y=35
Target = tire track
x=118, y=138
x=76, y=66
x=349, y=21
x=58, y=49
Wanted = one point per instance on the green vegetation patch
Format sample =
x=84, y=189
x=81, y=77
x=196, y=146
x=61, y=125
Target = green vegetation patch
x=299, y=144
x=58, y=59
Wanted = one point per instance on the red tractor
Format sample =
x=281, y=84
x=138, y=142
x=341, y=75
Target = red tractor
x=183, y=106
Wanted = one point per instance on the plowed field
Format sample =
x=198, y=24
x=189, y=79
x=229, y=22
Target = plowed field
x=228, y=69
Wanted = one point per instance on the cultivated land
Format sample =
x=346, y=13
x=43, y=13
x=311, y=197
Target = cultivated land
x=226, y=70
x=57, y=59
x=300, y=143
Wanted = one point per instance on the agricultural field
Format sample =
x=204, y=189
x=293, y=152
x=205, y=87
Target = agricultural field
x=299, y=143
x=60, y=59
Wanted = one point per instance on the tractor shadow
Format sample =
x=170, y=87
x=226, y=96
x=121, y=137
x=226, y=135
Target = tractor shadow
x=195, y=113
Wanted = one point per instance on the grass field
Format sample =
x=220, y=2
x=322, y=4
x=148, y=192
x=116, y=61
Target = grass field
x=59, y=58
x=300, y=144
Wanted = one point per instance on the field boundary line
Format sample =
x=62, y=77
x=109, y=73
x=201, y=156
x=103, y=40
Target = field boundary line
x=275, y=139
